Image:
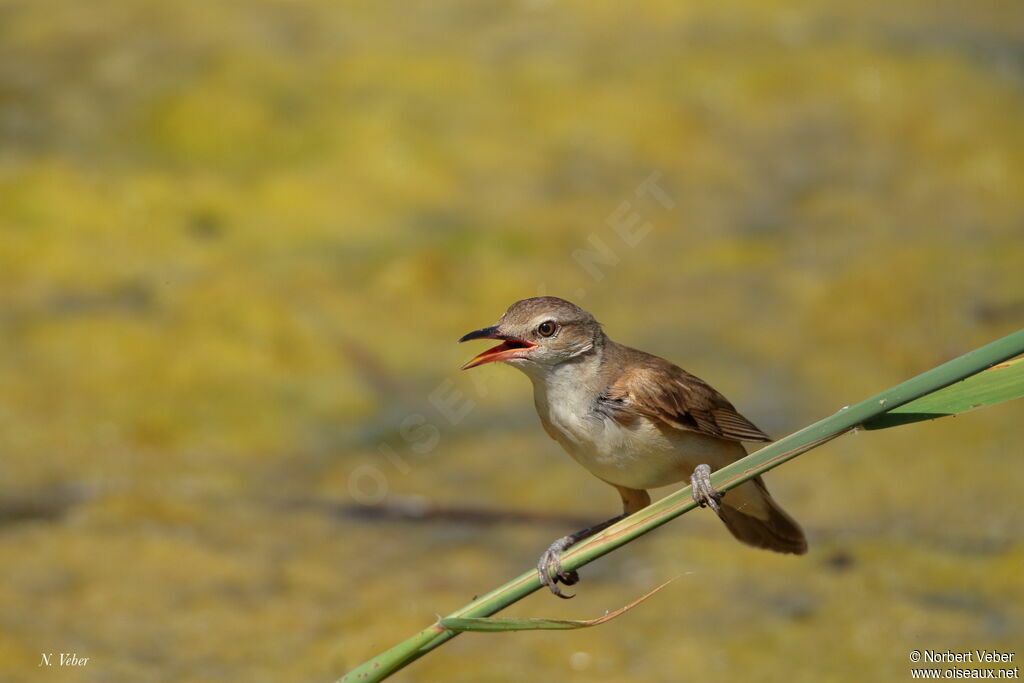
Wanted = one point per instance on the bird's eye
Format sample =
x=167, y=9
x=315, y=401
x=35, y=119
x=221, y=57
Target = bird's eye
x=546, y=328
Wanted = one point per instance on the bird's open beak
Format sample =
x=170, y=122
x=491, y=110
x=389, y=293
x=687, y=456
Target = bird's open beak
x=509, y=348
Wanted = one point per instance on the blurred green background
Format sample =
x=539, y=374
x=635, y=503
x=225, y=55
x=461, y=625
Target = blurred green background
x=239, y=241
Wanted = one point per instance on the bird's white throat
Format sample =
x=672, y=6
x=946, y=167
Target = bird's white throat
x=565, y=395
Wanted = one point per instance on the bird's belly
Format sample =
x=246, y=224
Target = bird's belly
x=630, y=460
x=642, y=455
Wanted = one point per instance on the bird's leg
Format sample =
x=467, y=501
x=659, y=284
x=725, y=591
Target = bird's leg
x=704, y=494
x=550, y=565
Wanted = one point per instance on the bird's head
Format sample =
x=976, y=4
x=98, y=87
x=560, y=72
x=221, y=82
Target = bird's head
x=538, y=333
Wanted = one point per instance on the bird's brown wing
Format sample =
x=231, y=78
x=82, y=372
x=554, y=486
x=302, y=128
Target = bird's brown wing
x=661, y=390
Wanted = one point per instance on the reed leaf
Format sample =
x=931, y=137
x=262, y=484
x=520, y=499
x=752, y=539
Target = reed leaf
x=1002, y=382
x=491, y=625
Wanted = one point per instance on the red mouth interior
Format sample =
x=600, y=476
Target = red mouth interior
x=497, y=352
x=507, y=345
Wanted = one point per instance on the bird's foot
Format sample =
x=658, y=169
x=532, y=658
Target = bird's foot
x=550, y=567
x=704, y=494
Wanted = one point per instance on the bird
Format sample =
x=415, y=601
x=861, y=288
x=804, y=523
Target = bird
x=634, y=420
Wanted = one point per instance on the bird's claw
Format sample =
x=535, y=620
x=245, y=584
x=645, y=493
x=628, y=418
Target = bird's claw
x=704, y=494
x=550, y=571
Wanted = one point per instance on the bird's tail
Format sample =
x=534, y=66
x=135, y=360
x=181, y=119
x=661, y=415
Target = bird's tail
x=754, y=518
